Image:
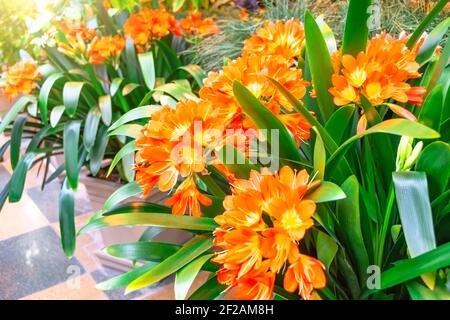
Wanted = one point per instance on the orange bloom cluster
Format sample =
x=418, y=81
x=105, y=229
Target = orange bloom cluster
x=172, y=146
x=379, y=73
x=278, y=38
x=102, y=49
x=20, y=78
x=150, y=24
x=76, y=35
x=264, y=219
x=194, y=24
x=76, y=29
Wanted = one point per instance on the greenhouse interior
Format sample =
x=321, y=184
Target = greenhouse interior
x=225, y=150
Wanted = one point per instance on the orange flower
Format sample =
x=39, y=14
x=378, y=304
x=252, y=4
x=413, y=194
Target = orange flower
x=105, y=48
x=20, y=78
x=304, y=274
x=264, y=219
x=194, y=24
x=72, y=29
x=252, y=71
x=173, y=145
x=188, y=198
x=379, y=73
x=278, y=38
x=150, y=24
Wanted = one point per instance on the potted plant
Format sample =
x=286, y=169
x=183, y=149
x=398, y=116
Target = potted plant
x=345, y=198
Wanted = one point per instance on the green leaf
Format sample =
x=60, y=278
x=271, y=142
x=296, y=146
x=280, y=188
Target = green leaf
x=356, y=30
x=319, y=157
x=400, y=127
x=71, y=96
x=176, y=89
x=134, y=114
x=17, y=107
x=424, y=24
x=185, y=255
x=146, y=251
x=147, y=64
x=98, y=151
x=435, y=161
x=327, y=191
x=128, y=166
x=104, y=103
x=210, y=290
x=348, y=215
x=56, y=114
x=128, y=130
x=326, y=249
x=339, y=122
x=91, y=127
x=409, y=269
x=125, y=278
x=18, y=177
x=177, y=4
x=328, y=34
x=129, y=148
x=130, y=87
x=196, y=72
x=419, y=292
x=432, y=41
x=115, y=86
x=265, y=119
x=186, y=276
x=123, y=193
x=170, y=56
x=130, y=58
x=145, y=218
x=431, y=111
x=44, y=94
x=320, y=65
x=236, y=161
x=16, y=139
x=71, y=136
x=138, y=206
x=411, y=192
x=67, y=218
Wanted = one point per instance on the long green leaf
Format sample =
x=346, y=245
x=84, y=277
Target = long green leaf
x=18, y=177
x=356, y=30
x=129, y=148
x=16, y=139
x=327, y=191
x=104, y=103
x=17, y=107
x=431, y=111
x=123, y=193
x=56, y=114
x=71, y=96
x=71, y=137
x=186, y=276
x=190, y=251
x=152, y=219
x=264, y=119
x=147, y=63
x=128, y=130
x=91, y=127
x=432, y=41
x=320, y=65
x=319, y=157
x=339, y=122
x=44, y=94
x=98, y=151
x=146, y=251
x=67, y=218
x=134, y=114
x=210, y=290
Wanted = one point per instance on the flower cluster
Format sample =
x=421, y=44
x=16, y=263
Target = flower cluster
x=379, y=73
x=194, y=24
x=148, y=24
x=20, y=78
x=264, y=220
x=102, y=49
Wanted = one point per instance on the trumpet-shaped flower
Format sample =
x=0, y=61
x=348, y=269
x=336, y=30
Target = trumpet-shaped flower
x=103, y=49
x=20, y=78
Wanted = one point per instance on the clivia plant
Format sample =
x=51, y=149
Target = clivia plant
x=89, y=79
x=302, y=170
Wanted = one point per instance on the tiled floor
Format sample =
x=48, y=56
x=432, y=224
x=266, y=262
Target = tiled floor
x=32, y=263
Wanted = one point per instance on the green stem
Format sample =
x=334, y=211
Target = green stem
x=384, y=230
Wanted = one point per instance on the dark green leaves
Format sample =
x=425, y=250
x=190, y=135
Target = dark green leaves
x=18, y=106
x=67, y=218
x=147, y=63
x=44, y=94
x=356, y=30
x=71, y=96
x=19, y=175
x=71, y=137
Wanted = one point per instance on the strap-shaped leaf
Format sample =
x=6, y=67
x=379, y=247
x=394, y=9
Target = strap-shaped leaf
x=431, y=111
x=104, y=103
x=17, y=107
x=432, y=41
x=135, y=114
x=145, y=218
x=128, y=130
x=98, y=151
x=319, y=156
x=147, y=63
x=91, y=127
x=16, y=139
x=356, y=30
x=56, y=114
x=71, y=137
x=67, y=218
x=339, y=122
x=123, y=193
x=210, y=290
x=185, y=277
x=71, y=96
x=320, y=65
x=265, y=119
x=129, y=148
x=18, y=177
x=146, y=251
x=327, y=191
x=190, y=251
x=44, y=94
